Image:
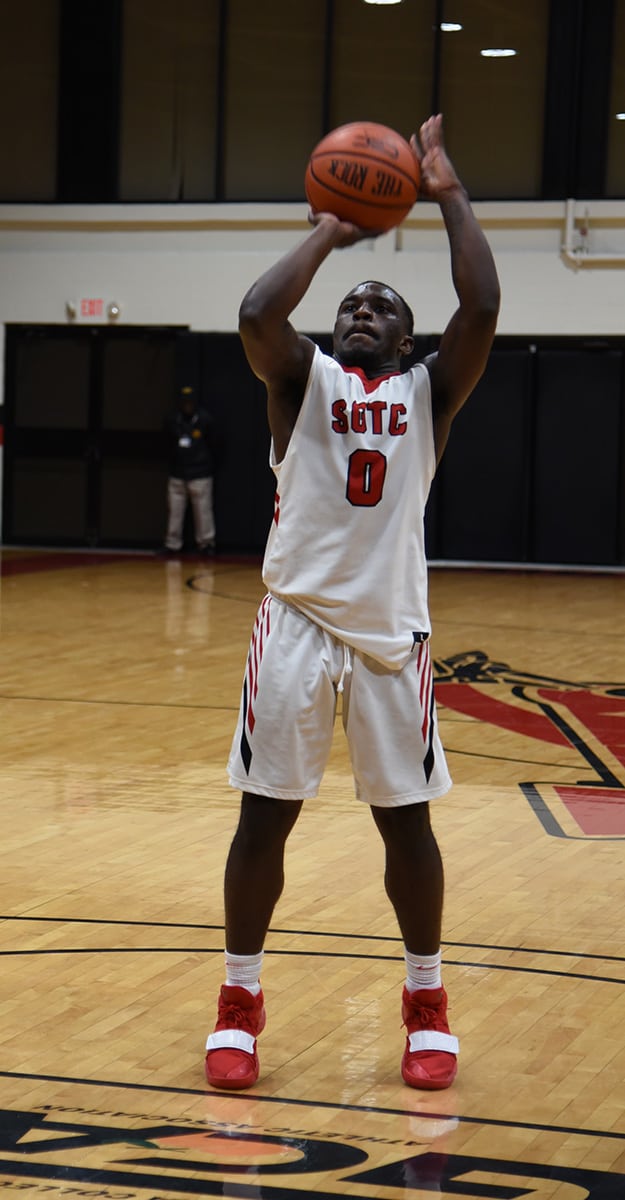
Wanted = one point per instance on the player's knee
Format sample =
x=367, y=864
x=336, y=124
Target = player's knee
x=266, y=819
x=401, y=826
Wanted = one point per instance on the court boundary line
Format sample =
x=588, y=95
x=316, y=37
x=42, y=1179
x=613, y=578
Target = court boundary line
x=369, y=937
x=397, y=958
x=170, y=1089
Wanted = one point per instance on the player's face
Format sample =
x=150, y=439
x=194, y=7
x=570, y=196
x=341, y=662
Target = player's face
x=370, y=329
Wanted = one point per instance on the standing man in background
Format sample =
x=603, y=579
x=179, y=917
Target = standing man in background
x=189, y=431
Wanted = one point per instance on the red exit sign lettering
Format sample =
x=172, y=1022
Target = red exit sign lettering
x=90, y=306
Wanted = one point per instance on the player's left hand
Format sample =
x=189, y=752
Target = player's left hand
x=437, y=172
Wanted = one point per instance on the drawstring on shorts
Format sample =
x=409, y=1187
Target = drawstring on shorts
x=346, y=669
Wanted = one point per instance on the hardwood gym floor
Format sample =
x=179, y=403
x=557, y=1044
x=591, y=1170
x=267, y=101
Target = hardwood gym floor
x=119, y=684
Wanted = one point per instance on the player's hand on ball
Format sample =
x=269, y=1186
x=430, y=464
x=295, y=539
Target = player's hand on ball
x=347, y=234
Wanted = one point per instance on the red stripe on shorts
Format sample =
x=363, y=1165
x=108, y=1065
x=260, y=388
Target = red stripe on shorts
x=425, y=691
x=254, y=658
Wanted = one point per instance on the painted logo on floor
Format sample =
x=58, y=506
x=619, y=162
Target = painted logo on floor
x=117, y=1156
x=585, y=719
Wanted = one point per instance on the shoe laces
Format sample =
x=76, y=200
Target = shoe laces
x=424, y=1015
x=233, y=1016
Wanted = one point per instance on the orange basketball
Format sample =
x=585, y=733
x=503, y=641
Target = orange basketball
x=363, y=173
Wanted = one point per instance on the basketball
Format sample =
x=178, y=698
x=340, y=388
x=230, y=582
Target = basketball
x=364, y=173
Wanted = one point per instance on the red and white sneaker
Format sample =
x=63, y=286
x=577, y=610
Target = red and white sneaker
x=430, y=1057
x=231, y=1058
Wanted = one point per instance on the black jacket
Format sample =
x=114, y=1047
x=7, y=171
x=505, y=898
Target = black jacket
x=190, y=445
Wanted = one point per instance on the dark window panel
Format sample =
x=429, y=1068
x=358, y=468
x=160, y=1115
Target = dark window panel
x=594, y=99
x=88, y=101
x=615, y=180
x=169, y=93
x=29, y=54
x=493, y=107
x=562, y=99
x=274, y=96
x=577, y=98
x=382, y=64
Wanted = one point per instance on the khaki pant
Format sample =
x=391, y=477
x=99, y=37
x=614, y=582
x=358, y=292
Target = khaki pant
x=200, y=493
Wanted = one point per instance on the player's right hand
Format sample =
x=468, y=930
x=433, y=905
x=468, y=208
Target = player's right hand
x=346, y=233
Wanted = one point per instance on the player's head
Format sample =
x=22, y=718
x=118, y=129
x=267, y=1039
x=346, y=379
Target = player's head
x=373, y=328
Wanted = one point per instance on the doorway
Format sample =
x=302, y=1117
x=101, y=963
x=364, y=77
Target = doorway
x=85, y=463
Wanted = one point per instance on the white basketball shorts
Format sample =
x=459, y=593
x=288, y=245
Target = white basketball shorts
x=288, y=706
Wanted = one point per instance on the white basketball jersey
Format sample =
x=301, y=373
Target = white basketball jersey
x=346, y=545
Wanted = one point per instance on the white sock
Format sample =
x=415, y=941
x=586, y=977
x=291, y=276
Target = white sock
x=243, y=970
x=422, y=971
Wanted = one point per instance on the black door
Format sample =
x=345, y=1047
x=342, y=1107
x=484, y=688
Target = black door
x=84, y=458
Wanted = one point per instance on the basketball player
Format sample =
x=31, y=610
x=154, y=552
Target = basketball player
x=355, y=446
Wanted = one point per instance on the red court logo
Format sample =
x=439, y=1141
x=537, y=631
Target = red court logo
x=586, y=720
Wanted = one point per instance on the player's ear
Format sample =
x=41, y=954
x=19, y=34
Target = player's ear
x=406, y=346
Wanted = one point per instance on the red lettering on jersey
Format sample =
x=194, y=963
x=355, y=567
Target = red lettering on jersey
x=376, y=408
x=339, y=409
x=395, y=426
x=367, y=416
x=359, y=417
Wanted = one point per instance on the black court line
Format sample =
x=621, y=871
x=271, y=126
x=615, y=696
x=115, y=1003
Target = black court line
x=215, y=594
x=427, y=1114
x=122, y=703
x=362, y=937
x=508, y=758
x=199, y=950
x=544, y=630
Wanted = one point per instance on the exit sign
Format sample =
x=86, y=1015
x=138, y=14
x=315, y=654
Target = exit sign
x=91, y=306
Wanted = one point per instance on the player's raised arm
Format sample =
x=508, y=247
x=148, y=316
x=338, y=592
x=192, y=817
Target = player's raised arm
x=275, y=351
x=467, y=340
